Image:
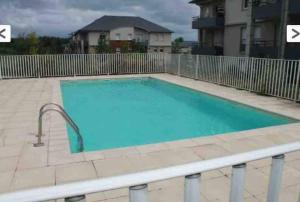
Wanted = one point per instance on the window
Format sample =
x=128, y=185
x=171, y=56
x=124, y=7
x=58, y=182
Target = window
x=155, y=50
x=129, y=37
x=243, y=39
x=245, y=4
x=102, y=37
x=161, y=50
x=205, y=12
x=257, y=33
x=118, y=36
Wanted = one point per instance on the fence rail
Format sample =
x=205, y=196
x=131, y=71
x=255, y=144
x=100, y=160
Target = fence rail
x=137, y=182
x=36, y=66
x=275, y=77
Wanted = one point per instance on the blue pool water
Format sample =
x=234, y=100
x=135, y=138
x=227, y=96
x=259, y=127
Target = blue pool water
x=126, y=112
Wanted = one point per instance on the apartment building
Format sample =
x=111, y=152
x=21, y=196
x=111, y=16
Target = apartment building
x=246, y=28
x=120, y=31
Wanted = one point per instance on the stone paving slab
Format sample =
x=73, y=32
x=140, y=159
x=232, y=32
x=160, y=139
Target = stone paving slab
x=23, y=166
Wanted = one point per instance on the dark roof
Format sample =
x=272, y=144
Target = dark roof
x=199, y=2
x=107, y=23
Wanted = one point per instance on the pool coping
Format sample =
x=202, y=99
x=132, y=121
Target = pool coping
x=160, y=145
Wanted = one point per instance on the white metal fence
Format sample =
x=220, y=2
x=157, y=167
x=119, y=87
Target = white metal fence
x=35, y=66
x=275, y=77
x=137, y=182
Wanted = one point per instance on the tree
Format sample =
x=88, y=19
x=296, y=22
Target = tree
x=125, y=48
x=103, y=46
x=176, y=44
x=33, y=43
x=139, y=47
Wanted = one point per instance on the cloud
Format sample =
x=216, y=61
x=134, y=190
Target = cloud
x=61, y=17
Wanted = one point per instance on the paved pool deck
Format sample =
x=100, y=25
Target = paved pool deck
x=23, y=166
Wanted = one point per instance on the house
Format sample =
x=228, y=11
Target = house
x=243, y=28
x=123, y=31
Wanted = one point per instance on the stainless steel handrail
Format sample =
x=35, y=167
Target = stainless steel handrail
x=67, y=118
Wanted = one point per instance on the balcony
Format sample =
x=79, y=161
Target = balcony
x=292, y=51
x=208, y=22
x=294, y=6
x=267, y=10
x=264, y=49
x=207, y=50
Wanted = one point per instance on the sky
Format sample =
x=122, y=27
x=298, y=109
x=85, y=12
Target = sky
x=62, y=17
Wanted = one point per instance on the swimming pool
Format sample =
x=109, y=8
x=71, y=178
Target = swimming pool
x=127, y=112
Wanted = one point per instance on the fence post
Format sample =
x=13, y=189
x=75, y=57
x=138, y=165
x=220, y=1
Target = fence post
x=165, y=62
x=178, y=72
x=196, y=68
x=1, y=66
x=138, y=193
x=251, y=73
x=192, y=188
x=219, y=70
x=275, y=178
x=297, y=83
x=237, y=183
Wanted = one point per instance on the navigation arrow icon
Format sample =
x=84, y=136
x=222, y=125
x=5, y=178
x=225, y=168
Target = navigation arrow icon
x=296, y=33
x=293, y=33
x=1, y=31
x=5, y=33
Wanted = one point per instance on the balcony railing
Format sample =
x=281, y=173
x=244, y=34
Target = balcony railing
x=267, y=10
x=264, y=49
x=207, y=22
x=294, y=6
x=207, y=50
x=292, y=51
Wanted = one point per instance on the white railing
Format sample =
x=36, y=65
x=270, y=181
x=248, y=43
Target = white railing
x=137, y=182
x=36, y=66
x=275, y=77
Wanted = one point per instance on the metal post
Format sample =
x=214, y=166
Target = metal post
x=197, y=66
x=219, y=70
x=40, y=130
x=297, y=83
x=178, y=72
x=238, y=183
x=138, y=193
x=275, y=178
x=1, y=66
x=165, y=62
x=192, y=188
x=75, y=199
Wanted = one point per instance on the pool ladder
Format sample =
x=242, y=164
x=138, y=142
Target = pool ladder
x=57, y=108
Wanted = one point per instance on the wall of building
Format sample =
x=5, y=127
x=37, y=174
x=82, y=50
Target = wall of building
x=232, y=38
x=141, y=35
x=93, y=37
x=124, y=33
x=160, y=39
x=159, y=49
x=234, y=12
